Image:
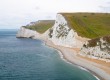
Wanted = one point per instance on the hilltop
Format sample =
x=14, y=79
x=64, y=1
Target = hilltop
x=40, y=26
x=89, y=25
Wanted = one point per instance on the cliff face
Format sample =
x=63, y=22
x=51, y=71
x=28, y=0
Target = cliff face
x=97, y=48
x=61, y=34
x=27, y=33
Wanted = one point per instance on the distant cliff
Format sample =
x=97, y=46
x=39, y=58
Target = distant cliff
x=40, y=26
x=27, y=33
x=76, y=31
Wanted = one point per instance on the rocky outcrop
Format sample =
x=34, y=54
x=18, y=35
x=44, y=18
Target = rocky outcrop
x=27, y=33
x=61, y=34
x=97, y=48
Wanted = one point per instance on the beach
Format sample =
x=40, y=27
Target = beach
x=100, y=69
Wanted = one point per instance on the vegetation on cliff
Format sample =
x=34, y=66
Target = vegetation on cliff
x=40, y=26
x=89, y=25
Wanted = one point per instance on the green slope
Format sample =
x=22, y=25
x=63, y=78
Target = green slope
x=90, y=25
x=41, y=26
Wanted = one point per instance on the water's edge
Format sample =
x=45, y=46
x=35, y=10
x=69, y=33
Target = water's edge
x=67, y=61
x=32, y=59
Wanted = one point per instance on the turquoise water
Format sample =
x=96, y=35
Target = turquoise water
x=27, y=59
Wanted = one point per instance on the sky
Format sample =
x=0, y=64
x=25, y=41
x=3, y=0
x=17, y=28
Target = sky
x=17, y=13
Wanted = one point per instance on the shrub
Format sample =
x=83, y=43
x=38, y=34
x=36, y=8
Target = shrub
x=107, y=38
x=50, y=34
x=93, y=42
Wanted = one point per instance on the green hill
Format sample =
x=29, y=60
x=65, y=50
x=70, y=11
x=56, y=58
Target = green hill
x=90, y=25
x=40, y=26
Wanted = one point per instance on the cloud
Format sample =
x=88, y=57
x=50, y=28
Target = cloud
x=105, y=6
x=108, y=2
x=21, y=12
x=48, y=17
x=105, y=9
x=37, y=8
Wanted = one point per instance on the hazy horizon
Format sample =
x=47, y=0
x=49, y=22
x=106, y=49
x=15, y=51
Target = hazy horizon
x=16, y=13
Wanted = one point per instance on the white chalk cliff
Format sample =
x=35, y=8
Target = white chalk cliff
x=27, y=33
x=62, y=34
x=100, y=51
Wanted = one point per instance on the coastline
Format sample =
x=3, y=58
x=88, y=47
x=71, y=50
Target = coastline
x=85, y=69
x=70, y=55
x=99, y=69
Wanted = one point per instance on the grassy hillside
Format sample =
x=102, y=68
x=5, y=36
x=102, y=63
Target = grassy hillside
x=90, y=25
x=41, y=26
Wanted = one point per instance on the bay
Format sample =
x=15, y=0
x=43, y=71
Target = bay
x=28, y=59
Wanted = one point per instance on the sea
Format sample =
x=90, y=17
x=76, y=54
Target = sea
x=28, y=59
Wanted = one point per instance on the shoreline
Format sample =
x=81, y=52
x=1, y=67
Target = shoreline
x=68, y=54
x=79, y=66
x=82, y=68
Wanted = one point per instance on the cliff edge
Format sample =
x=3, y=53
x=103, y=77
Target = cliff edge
x=77, y=30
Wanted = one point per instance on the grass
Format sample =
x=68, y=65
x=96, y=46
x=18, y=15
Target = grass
x=90, y=25
x=41, y=26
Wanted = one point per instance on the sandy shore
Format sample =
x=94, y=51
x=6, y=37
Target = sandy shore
x=99, y=68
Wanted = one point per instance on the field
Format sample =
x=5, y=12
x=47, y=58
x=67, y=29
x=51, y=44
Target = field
x=90, y=25
x=41, y=26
